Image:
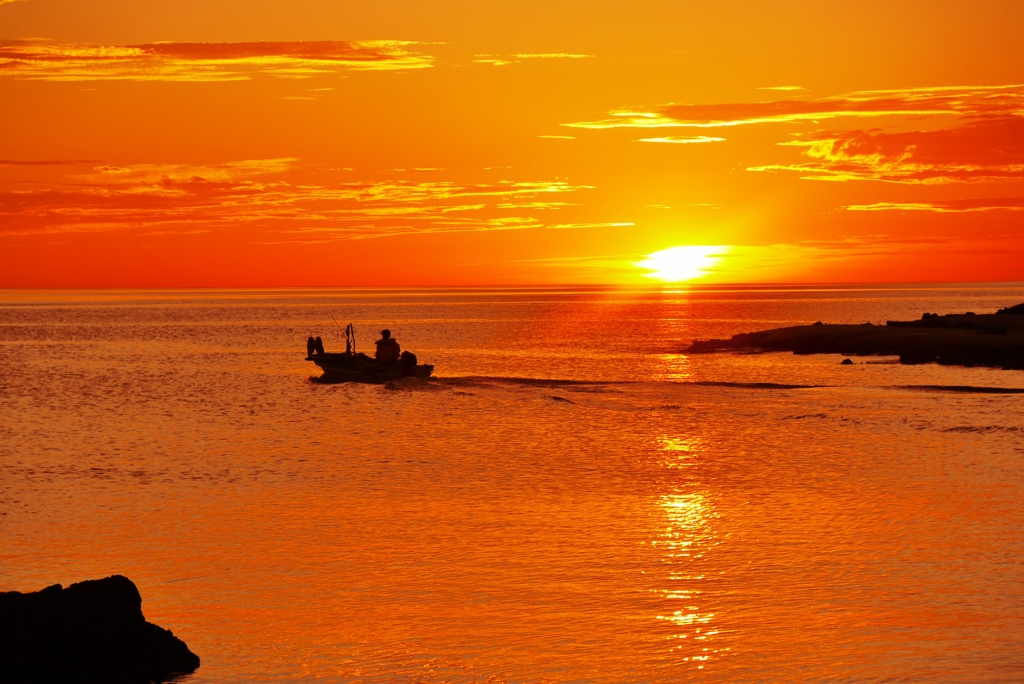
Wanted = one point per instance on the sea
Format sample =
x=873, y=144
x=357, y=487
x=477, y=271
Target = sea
x=571, y=498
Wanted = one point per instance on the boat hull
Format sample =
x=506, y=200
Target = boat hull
x=350, y=368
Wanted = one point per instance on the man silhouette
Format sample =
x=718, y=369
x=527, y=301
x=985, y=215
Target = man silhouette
x=388, y=350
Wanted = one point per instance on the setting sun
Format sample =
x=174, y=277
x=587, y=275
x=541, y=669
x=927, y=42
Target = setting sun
x=678, y=264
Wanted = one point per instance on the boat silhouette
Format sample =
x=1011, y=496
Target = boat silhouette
x=353, y=366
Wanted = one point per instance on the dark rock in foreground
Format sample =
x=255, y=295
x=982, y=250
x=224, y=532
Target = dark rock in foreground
x=92, y=631
x=994, y=340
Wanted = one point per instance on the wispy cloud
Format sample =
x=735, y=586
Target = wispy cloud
x=949, y=101
x=504, y=60
x=535, y=205
x=949, y=134
x=197, y=231
x=493, y=61
x=984, y=148
x=201, y=61
x=551, y=55
x=683, y=141
x=181, y=199
x=614, y=224
x=946, y=206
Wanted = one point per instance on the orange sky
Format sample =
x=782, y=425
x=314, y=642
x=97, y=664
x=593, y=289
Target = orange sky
x=326, y=142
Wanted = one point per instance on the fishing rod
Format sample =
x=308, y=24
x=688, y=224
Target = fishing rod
x=336, y=322
x=350, y=335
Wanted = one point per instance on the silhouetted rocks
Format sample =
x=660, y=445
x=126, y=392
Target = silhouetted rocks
x=994, y=340
x=93, y=631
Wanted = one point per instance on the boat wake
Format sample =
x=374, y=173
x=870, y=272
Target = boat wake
x=750, y=385
x=963, y=389
x=483, y=381
x=480, y=381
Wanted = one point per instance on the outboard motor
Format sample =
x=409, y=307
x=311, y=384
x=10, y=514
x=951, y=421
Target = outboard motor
x=310, y=347
x=318, y=346
x=407, y=362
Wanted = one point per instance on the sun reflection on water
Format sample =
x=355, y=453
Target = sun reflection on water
x=680, y=452
x=674, y=368
x=684, y=541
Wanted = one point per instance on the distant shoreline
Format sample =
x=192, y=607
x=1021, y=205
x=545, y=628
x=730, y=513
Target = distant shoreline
x=989, y=340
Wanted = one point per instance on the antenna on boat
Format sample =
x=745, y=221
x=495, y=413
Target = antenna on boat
x=350, y=339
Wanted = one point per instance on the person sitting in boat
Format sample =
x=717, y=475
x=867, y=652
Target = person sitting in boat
x=388, y=350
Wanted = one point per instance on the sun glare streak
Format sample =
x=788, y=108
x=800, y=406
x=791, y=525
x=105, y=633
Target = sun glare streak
x=680, y=264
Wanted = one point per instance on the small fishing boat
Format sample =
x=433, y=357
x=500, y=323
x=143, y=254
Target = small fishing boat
x=350, y=366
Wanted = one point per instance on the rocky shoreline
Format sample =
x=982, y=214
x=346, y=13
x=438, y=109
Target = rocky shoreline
x=93, y=631
x=993, y=340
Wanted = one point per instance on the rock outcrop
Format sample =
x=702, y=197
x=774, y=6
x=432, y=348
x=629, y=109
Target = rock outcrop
x=93, y=631
x=994, y=340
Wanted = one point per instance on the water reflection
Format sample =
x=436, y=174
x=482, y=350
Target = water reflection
x=686, y=538
x=680, y=452
x=673, y=368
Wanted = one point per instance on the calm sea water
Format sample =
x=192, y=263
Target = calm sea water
x=571, y=500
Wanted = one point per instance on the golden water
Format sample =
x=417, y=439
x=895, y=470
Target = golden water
x=565, y=502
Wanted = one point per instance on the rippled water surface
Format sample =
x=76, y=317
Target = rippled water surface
x=573, y=498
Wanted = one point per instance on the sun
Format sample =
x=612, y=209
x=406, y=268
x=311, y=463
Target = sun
x=678, y=264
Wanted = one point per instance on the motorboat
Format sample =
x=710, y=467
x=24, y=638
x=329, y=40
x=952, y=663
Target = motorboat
x=352, y=366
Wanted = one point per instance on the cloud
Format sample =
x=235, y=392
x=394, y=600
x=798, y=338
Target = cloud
x=985, y=148
x=552, y=55
x=683, y=141
x=504, y=60
x=946, y=206
x=261, y=194
x=494, y=61
x=949, y=134
x=163, y=175
x=197, y=231
x=36, y=60
x=616, y=224
x=946, y=101
x=786, y=88
x=535, y=205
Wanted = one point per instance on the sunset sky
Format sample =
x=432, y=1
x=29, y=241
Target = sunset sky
x=324, y=142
